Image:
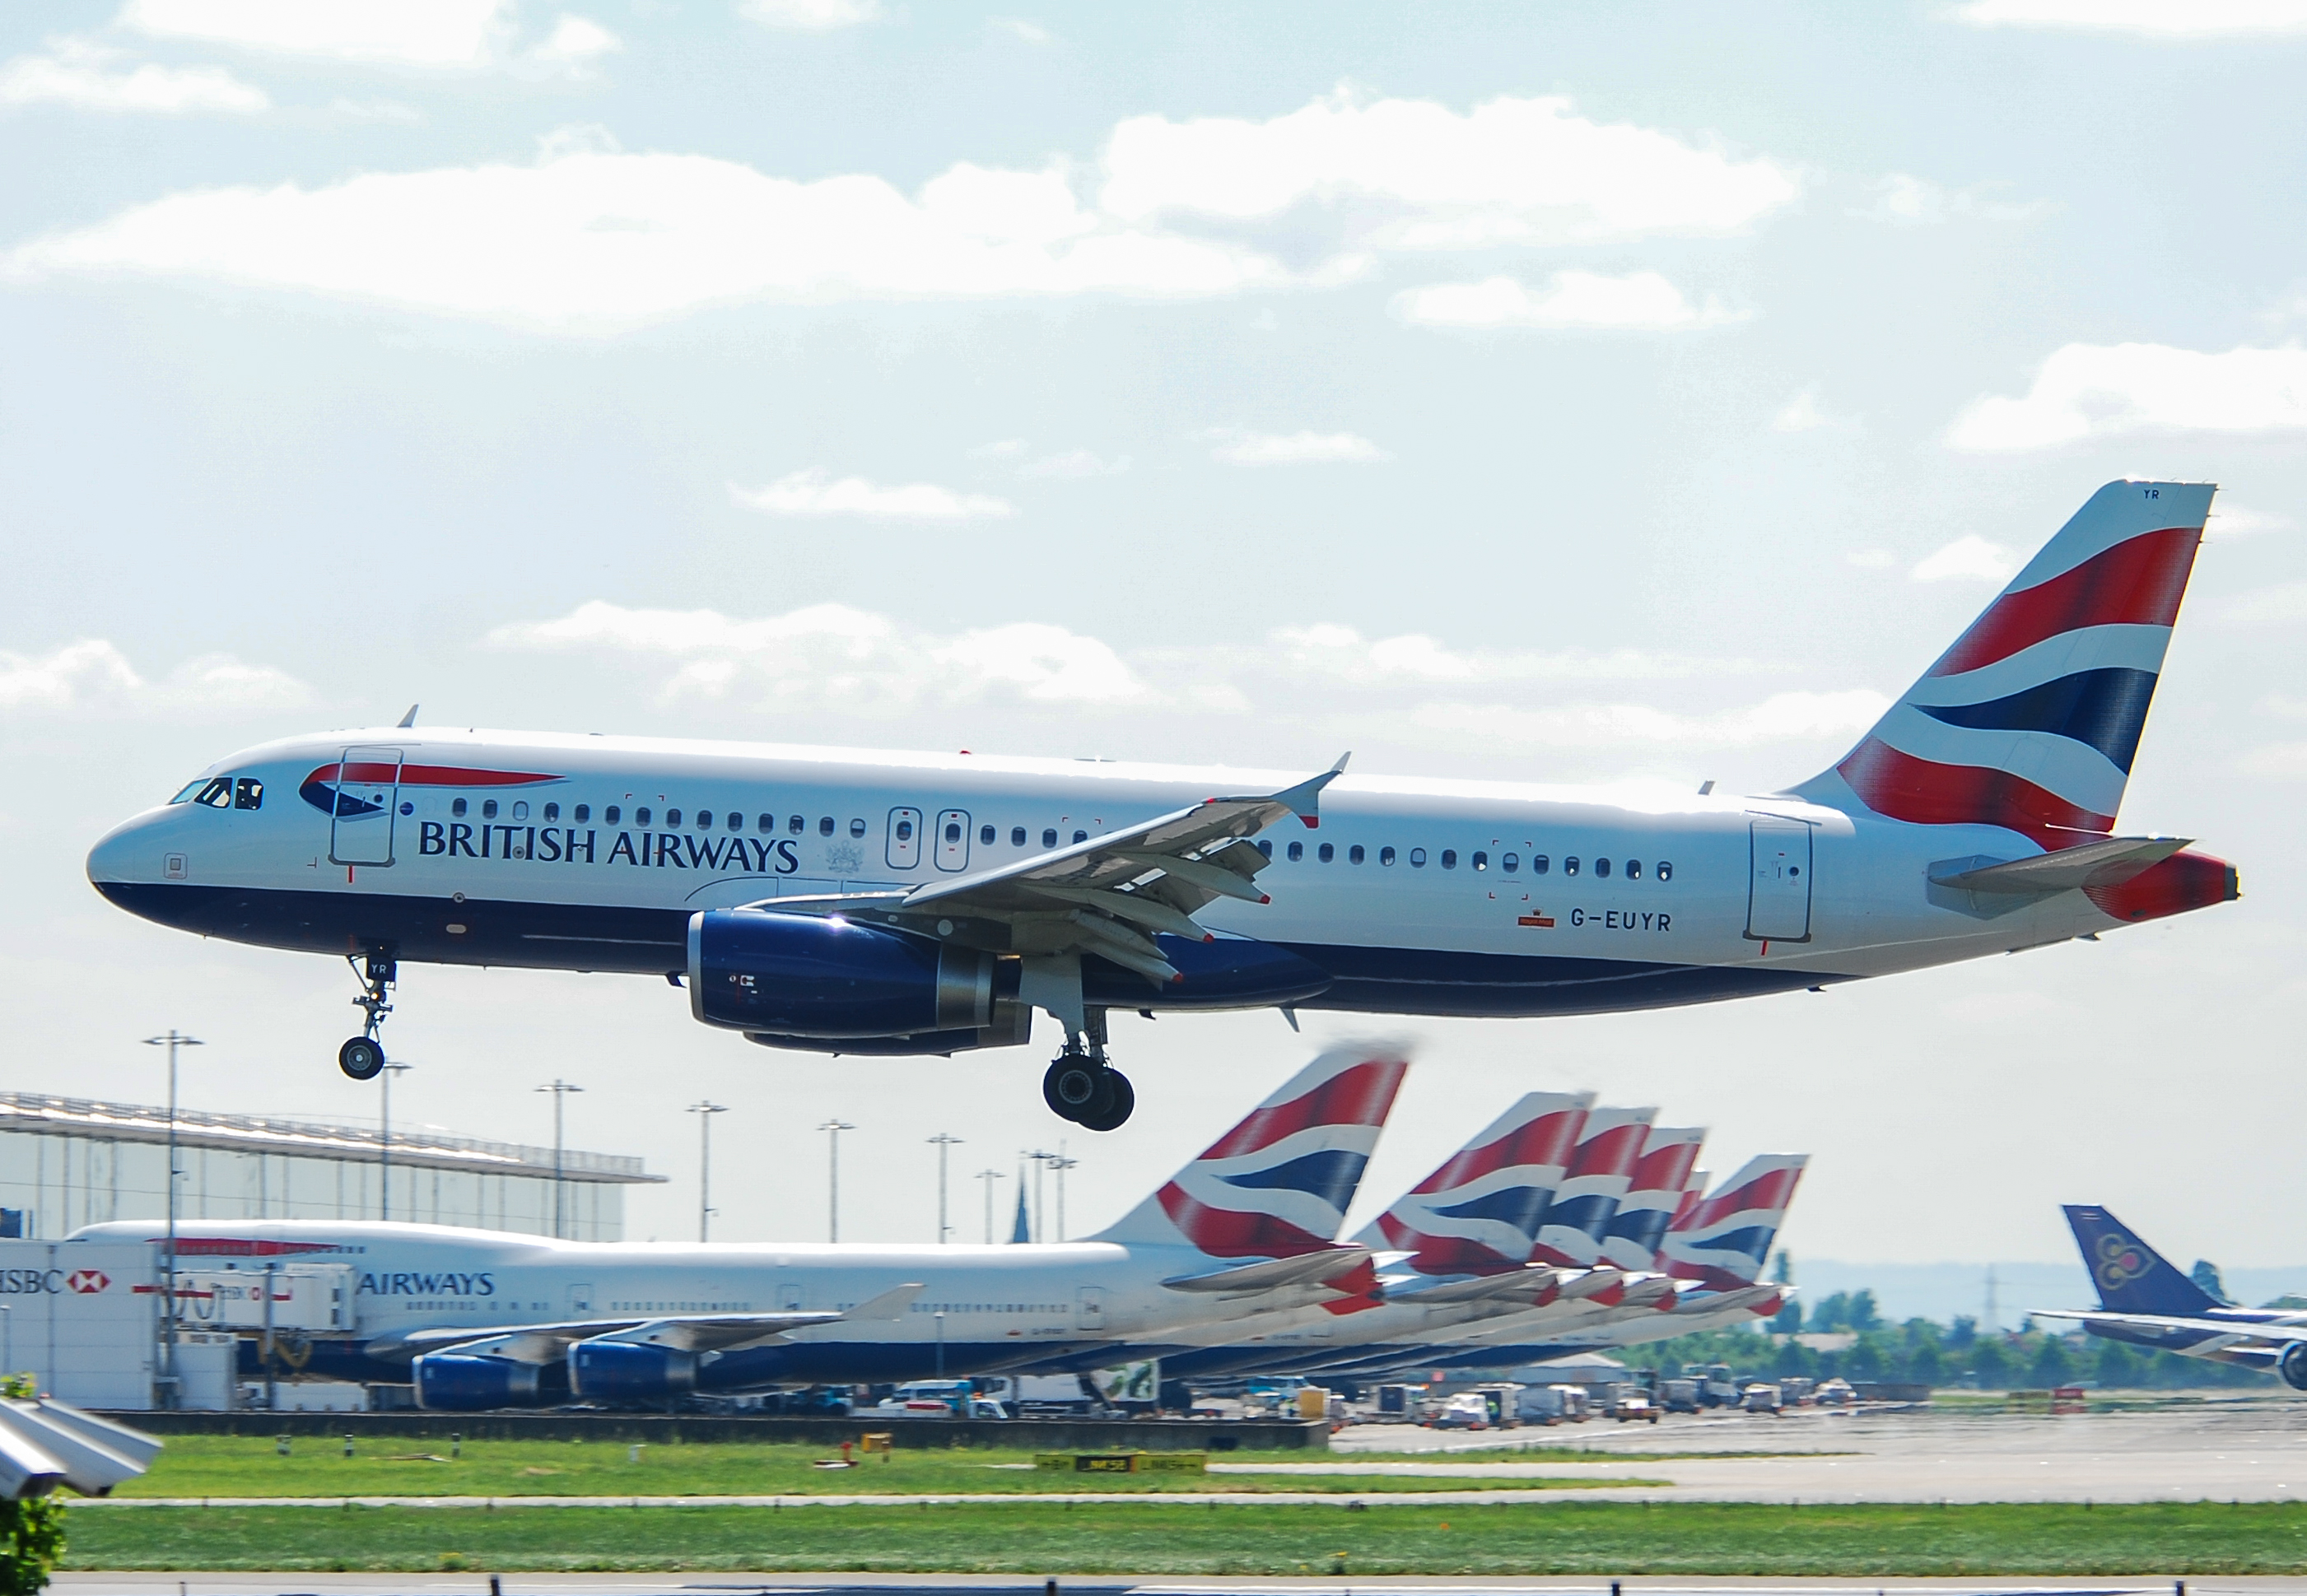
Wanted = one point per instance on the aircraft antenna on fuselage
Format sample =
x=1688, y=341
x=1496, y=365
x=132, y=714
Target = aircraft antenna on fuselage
x=410, y=719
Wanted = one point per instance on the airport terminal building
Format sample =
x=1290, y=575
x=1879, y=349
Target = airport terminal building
x=66, y=1162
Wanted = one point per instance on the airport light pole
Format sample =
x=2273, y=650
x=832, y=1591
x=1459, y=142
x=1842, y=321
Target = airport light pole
x=1041, y=1230
x=833, y=1128
x=384, y=1155
x=988, y=1176
x=1060, y=1164
x=942, y=1142
x=705, y=1110
x=560, y=1089
x=172, y=1042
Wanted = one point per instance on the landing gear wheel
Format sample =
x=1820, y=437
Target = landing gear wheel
x=1115, y=1101
x=1070, y=1087
x=361, y=1058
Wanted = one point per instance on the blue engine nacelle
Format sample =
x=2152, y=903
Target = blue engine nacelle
x=2293, y=1366
x=463, y=1382
x=808, y=975
x=629, y=1371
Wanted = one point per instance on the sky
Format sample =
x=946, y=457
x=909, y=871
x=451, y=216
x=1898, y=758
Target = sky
x=1585, y=392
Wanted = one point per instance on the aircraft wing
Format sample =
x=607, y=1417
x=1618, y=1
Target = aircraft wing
x=1273, y=1274
x=2174, y=1324
x=1107, y=895
x=1526, y=1284
x=704, y=1332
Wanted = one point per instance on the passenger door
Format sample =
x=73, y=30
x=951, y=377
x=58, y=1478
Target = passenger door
x=1089, y=1307
x=1777, y=894
x=581, y=1299
x=904, y=839
x=368, y=793
x=953, y=840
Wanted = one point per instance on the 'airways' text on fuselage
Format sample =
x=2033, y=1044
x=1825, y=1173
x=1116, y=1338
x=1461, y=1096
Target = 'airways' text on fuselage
x=547, y=844
x=428, y=1286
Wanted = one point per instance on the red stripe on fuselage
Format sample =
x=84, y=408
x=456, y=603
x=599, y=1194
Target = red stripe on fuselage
x=427, y=775
x=1929, y=793
x=2139, y=582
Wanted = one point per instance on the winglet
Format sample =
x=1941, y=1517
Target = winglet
x=890, y=1304
x=1302, y=799
x=410, y=719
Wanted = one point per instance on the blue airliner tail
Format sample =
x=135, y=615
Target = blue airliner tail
x=2130, y=1275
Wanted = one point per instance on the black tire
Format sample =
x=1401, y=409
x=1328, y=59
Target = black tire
x=1116, y=1100
x=1071, y=1087
x=361, y=1058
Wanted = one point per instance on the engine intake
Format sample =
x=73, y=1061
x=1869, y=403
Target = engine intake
x=819, y=976
x=2293, y=1366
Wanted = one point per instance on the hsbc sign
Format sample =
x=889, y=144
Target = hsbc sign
x=87, y=1282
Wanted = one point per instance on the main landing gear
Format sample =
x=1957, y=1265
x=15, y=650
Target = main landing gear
x=1082, y=1086
x=363, y=1057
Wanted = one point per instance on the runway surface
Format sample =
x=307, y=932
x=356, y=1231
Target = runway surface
x=866, y=1585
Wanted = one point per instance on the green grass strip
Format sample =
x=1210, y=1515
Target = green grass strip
x=1156, y=1538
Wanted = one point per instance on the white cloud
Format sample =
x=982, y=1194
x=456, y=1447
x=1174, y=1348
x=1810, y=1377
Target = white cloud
x=466, y=34
x=373, y=110
x=2170, y=18
x=93, y=674
x=1424, y=176
x=1905, y=201
x=1801, y=414
x=2088, y=390
x=819, y=493
x=572, y=47
x=87, y=77
x=811, y=16
x=1002, y=448
x=1018, y=28
x=1783, y=717
x=1967, y=558
x=2233, y=520
x=1295, y=448
x=1341, y=654
x=1073, y=464
x=1640, y=302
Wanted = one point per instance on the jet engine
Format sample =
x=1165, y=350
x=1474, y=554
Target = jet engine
x=787, y=976
x=2293, y=1366
x=464, y=1382
x=627, y=1372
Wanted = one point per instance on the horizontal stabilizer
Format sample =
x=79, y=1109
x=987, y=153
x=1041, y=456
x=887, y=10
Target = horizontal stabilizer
x=1273, y=1274
x=2091, y=864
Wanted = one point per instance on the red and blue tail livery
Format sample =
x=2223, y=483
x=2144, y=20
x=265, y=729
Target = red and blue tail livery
x=1479, y=1212
x=1723, y=1240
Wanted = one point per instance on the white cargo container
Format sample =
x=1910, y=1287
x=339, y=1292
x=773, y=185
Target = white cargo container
x=304, y=1297
x=83, y=1318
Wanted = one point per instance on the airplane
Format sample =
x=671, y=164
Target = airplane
x=478, y=1318
x=843, y=902
x=2145, y=1301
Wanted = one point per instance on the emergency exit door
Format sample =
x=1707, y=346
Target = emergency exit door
x=904, y=850
x=1777, y=894
x=368, y=792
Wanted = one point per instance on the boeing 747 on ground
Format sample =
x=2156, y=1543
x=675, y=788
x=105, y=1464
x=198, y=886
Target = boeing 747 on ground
x=850, y=903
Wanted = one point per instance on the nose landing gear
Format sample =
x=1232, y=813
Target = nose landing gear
x=1083, y=1087
x=363, y=1057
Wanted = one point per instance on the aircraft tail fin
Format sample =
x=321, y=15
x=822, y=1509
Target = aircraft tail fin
x=1601, y=1171
x=1479, y=1213
x=2130, y=1275
x=1654, y=1195
x=1723, y=1240
x=2031, y=719
x=1280, y=1182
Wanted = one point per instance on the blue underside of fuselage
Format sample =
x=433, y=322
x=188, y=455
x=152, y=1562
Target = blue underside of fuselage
x=751, y=1369
x=1374, y=980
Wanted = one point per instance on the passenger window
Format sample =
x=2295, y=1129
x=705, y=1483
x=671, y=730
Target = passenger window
x=1540, y=863
x=248, y=793
x=1049, y=836
x=1665, y=871
x=1386, y=855
x=1449, y=858
x=1354, y=854
x=582, y=812
x=704, y=820
x=797, y=824
x=1481, y=861
x=953, y=831
x=985, y=834
x=1081, y=836
x=1326, y=852
x=521, y=811
x=456, y=807
x=552, y=811
x=856, y=828
x=217, y=794
x=1016, y=836
x=825, y=825
x=488, y=808
x=609, y=816
x=1634, y=869
x=1297, y=852
x=1417, y=858
x=1569, y=864
x=671, y=817
x=1602, y=869
x=1267, y=849
x=769, y=824
x=905, y=831
x=641, y=815
x=1509, y=862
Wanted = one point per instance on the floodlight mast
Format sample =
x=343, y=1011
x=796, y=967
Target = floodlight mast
x=172, y=1042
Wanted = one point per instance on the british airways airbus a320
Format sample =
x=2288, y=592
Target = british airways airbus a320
x=846, y=901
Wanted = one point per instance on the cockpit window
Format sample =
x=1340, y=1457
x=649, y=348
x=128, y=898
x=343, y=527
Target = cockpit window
x=216, y=793
x=248, y=793
x=190, y=787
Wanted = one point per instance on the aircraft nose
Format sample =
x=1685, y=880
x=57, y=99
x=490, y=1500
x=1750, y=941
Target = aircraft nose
x=129, y=852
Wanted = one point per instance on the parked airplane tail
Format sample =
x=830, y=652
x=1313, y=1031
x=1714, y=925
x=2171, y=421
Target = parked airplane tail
x=2130, y=1275
x=1723, y=1242
x=2031, y=719
x=1654, y=1195
x=1479, y=1214
x=1602, y=1170
x=1278, y=1185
